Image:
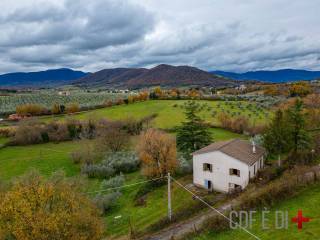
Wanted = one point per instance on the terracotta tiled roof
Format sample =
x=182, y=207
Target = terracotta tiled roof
x=236, y=148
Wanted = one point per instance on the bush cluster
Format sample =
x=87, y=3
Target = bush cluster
x=113, y=163
x=31, y=131
x=6, y=132
x=108, y=199
x=239, y=124
x=280, y=189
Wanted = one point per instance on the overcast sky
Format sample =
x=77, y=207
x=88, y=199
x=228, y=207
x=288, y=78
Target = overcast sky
x=89, y=35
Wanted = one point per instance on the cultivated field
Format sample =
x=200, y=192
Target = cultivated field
x=8, y=102
x=170, y=113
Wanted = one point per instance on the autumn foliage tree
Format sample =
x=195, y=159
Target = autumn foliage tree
x=312, y=104
x=57, y=108
x=300, y=89
x=73, y=108
x=158, y=154
x=35, y=208
x=30, y=109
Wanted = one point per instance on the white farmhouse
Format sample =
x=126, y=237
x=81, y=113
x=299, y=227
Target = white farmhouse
x=227, y=165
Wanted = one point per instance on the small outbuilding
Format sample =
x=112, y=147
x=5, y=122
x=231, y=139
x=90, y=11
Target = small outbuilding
x=227, y=165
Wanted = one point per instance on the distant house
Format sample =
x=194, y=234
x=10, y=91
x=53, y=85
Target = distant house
x=64, y=93
x=124, y=91
x=227, y=165
x=242, y=87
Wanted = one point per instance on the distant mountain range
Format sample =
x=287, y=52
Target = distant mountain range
x=48, y=78
x=277, y=76
x=161, y=75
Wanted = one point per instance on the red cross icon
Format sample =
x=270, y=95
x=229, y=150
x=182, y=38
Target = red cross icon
x=300, y=219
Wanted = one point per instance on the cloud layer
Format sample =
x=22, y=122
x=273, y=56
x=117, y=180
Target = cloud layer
x=210, y=34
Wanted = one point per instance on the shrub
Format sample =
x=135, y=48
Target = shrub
x=89, y=129
x=57, y=108
x=113, y=163
x=185, y=165
x=76, y=157
x=28, y=132
x=30, y=109
x=72, y=108
x=114, y=182
x=108, y=103
x=97, y=171
x=74, y=128
x=301, y=157
x=6, y=132
x=57, y=132
x=125, y=162
x=132, y=126
x=106, y=201
x=286, y=185
x=113, y=138
x=239, y=124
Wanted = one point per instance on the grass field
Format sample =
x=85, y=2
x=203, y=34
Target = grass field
x=308, y=200
x=170, y=113
x=46, y=158
x=3, y=140
x=50, y=157
x=143, y=216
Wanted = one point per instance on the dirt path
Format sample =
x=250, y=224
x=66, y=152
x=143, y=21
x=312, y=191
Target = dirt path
x=178, y=230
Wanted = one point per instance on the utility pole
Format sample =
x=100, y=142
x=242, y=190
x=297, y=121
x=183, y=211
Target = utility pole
x=169, y=197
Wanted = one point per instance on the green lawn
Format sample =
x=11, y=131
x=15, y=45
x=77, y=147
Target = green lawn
x=50, y=157
x=47, y=158
x=143, y=216
x=3, y=140
x=308, y=200
x=170, y=113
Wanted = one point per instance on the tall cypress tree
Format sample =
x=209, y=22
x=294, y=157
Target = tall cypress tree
x=193, y=134
x=301, y=139
x=276, y=139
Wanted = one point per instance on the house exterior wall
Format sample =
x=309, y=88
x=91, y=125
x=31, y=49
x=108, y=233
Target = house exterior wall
x=220, y=175
x=255, y=167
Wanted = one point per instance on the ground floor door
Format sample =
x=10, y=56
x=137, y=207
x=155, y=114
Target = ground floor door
x=208, y=184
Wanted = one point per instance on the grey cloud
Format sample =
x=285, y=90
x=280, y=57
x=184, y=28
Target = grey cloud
x=79, y=24
x=226, y=35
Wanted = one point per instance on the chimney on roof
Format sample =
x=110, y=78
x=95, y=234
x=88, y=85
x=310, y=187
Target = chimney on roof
x=253, y=147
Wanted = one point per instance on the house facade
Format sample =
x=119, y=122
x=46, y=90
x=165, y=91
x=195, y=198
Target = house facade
x=228, y=165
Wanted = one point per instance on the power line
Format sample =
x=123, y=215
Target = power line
x=125, y=186
x=216, y=210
